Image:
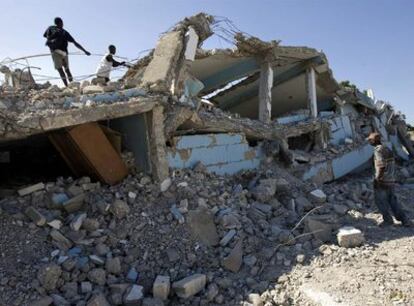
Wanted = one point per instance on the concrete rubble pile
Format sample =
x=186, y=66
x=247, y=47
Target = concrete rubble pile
x=199, y=176
x=211, y=240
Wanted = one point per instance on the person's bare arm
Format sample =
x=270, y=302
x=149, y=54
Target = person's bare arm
x=77, y=45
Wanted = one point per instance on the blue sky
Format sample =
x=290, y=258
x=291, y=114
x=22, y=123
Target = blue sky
x=369, y=42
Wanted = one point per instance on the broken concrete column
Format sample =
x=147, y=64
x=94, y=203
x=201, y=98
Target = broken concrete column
x=160, y=72
x=311, y=92
x=265, y=92
x=159, y=162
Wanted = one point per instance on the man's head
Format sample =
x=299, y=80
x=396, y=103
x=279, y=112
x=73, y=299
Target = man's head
x=112, y=49
x=59, y=22
x=374, y=139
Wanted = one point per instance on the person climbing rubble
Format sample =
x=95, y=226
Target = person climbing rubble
x=384, y=183
x=105, y=66
x=57, y=40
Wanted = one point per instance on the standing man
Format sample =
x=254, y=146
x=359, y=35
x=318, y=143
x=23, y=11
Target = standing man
x=384, y=183
x=57, y=40
x=106, y=64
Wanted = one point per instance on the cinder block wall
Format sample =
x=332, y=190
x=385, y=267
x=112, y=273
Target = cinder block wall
x=220, y=153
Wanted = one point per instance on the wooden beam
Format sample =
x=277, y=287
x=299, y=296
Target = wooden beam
x=265, y=92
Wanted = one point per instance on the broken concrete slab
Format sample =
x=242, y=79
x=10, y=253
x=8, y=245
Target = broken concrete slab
x=190, y=285
x=202, y=226
x=350, y=237
x=77, y=221
x=234, y=260
x=30, y=189
x=61, y=241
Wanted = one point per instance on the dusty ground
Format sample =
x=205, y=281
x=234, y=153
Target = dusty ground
x=379, y=273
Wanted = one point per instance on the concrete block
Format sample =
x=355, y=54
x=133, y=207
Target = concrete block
x=35, y=216
x=234, y=260
x=190, y=285
x=350, y=237
x=161, y=287
x=318, y=196
x=30, y=189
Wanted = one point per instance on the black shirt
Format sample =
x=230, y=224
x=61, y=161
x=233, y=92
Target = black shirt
x=57, y=38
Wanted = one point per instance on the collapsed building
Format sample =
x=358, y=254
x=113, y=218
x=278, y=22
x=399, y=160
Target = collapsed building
x=273, y=113
x=228, y=109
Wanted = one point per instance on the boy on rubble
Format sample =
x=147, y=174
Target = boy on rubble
x=105, y=66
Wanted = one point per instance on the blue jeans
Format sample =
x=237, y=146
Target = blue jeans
x=386, y=200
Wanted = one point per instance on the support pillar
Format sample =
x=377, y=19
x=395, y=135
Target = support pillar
x=158, y=150
x=265, y=92
x=311, y=92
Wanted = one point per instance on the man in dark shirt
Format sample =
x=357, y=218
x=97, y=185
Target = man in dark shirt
x=57, y=40
x=384, y=183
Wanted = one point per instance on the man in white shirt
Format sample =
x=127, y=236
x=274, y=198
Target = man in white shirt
x=106, y=64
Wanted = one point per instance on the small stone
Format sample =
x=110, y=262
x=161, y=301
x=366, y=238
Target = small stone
x=113, y=265
x=74, y=204
x=56, y=224
x=119, y=209
x=190, y=285
x=234, y=260
x=132, y=275
x=35, y=216
x=177, y=214
x=300, y=258
x=77, y=222
x=165, y=185
x=30, y=189
x=96, y=260
x=183, y=207
x=134, y=295
x=132, y=195
x=97, y=276
x=250, y=260
x=86, y=287
x=74, y=190
x=173, y=255
x=319, y=229
x=61, y=241
x=212, y=292
x=48, y=276
x=161, y=287
x=228, y=237
x=350, y=237
x=98, y=300
x=255, y=299
x=44, y=301
x=318, y=196
x=92, y=89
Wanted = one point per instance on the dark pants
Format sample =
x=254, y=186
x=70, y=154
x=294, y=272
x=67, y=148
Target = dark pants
x=386, y=200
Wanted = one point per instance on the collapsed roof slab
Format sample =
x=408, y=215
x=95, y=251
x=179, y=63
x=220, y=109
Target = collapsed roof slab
x=18, y=126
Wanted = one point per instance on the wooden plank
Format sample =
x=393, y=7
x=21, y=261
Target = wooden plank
x=96, y=148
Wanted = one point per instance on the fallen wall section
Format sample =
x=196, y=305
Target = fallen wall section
x=220, y=153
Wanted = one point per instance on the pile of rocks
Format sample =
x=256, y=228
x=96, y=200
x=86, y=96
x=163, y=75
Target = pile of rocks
x=202, y=239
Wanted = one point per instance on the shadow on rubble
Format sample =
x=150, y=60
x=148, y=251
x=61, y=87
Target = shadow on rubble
x=30, y=161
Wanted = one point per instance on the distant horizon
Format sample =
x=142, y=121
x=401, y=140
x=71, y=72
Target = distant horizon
x=366, y=42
